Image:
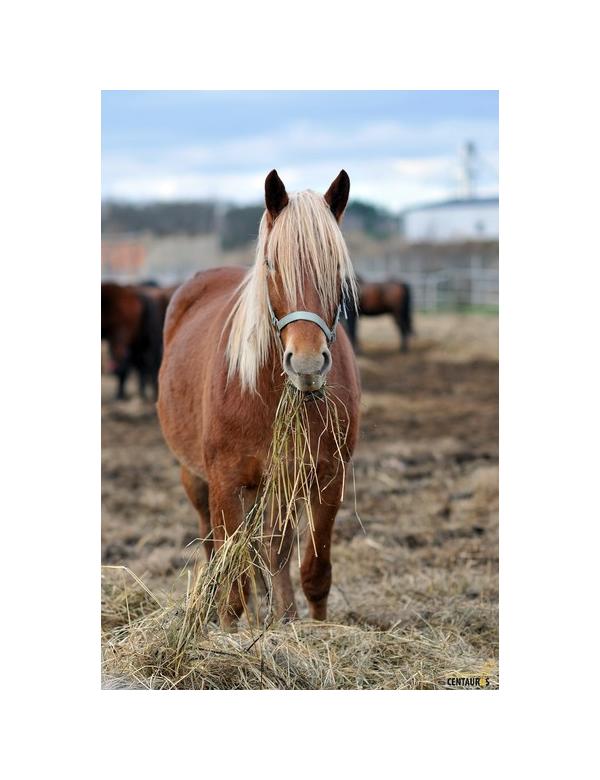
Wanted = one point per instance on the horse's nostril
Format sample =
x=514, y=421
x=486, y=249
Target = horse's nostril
x=307, y=363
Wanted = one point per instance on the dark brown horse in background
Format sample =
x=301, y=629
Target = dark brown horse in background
x=375, y=298
x=232, y=336
x=132, y=323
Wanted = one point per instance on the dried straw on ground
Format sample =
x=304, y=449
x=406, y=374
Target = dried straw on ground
x=146, y=652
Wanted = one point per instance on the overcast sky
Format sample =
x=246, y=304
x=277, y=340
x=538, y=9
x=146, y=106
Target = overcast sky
x=399, y=148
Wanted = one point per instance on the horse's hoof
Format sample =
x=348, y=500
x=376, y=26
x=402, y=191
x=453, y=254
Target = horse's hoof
x=228, y=623
x=318, y=609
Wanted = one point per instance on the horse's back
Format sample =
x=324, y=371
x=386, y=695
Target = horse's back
x=382, y=297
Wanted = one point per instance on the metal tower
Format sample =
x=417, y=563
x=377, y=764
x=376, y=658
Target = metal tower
x=468, y=169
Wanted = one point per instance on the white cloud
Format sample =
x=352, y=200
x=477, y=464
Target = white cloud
x=241, y=188
x=388, y=162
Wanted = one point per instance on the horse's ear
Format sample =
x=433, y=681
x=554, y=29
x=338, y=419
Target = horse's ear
x=337, y=195
x=276, y=198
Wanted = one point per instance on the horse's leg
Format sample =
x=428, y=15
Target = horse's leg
x=121, y=374
x=142, y=383
x=399, y=320
x=280, y=553
x=122, y=367
x=227, y=508
x=315, y=571
x=197, y=492
x=154, y=381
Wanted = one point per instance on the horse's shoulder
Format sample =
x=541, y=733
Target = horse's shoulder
x=198, y=291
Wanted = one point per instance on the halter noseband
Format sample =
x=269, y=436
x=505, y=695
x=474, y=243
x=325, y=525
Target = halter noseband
x=307, y=316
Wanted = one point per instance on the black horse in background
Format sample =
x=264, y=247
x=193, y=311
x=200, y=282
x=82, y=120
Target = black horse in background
x=132, y=325
x=375, y=298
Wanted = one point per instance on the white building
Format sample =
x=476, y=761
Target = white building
x=469, y=219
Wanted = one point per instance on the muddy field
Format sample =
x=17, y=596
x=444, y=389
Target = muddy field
x=426, y=476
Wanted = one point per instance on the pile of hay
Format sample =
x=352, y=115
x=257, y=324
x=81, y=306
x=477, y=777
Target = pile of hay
x=147, y=651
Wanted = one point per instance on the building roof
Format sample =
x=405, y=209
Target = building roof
x=446, y=204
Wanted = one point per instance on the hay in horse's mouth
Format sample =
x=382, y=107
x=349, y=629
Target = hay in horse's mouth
x=306, y=383
x=290, y=480
x=314, y=395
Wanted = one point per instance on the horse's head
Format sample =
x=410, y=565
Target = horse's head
x=308, y=274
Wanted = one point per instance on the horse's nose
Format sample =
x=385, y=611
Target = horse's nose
x=307, y=363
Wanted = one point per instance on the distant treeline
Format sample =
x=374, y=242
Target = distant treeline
x=236, y=226
x=159, y=219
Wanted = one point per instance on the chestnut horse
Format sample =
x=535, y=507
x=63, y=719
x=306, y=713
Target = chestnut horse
x=391, y=297
x=232, y=337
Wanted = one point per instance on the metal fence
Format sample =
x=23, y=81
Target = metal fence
x=456, y=288
x=446, y=289
x=441, y=277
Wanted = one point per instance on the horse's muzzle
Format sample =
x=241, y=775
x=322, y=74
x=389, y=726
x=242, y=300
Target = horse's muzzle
x=307, y=372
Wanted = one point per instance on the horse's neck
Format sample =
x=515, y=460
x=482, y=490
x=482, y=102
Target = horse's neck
x=270, y=380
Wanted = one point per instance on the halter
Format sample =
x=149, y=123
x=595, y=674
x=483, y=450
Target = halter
x=307, y=316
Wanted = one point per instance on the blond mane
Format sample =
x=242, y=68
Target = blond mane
x=305, y=240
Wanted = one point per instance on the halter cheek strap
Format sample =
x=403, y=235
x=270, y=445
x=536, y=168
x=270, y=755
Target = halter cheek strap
x=307, y=316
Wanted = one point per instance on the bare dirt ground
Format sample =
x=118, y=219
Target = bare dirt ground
x=426, y=475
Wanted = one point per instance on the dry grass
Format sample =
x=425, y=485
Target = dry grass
x=154, y=649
